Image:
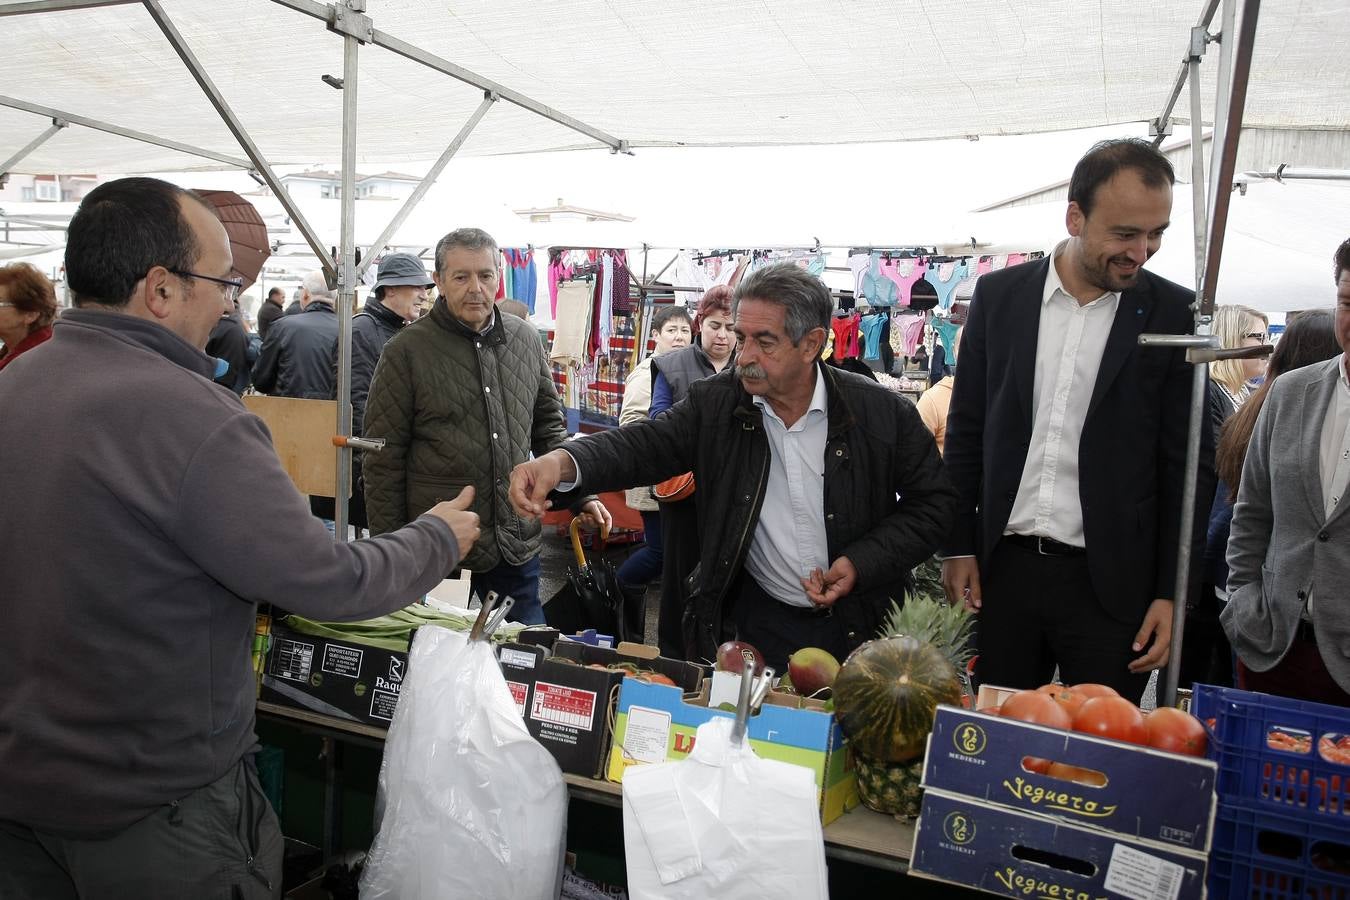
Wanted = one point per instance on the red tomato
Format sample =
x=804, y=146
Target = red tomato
x=1077, y=774
x=1036, y=764
x=1069, y=698
x=1176, y=731
x=1112, y=717
x=1095, y=690
x=1033, y=706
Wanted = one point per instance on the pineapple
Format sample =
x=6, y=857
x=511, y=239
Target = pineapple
x=935, y=622
x=890, y=788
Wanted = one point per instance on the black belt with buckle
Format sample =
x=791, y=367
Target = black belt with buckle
x=1043, y=545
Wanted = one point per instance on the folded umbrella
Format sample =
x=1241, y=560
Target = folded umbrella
x=591, y=598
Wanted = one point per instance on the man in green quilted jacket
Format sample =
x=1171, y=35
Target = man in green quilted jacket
x=461, y=396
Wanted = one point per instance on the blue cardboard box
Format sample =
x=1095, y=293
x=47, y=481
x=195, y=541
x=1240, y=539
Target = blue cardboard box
x=1150, y=795
x=1002, y=851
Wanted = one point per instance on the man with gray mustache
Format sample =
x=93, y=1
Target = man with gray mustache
x=817, y=491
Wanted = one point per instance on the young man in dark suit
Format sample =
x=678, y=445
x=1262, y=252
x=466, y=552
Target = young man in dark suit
x=1067, y=442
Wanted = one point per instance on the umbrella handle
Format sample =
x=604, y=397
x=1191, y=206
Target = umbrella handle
x=574, y=530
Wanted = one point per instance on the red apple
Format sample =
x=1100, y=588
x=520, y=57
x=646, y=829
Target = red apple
x=812, y=669
x=733, y=655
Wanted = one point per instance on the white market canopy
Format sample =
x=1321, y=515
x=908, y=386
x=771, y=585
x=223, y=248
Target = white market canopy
x=707, y=72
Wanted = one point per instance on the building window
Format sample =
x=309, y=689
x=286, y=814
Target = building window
x=28, y=195
x=326, y=192
x=46, y=190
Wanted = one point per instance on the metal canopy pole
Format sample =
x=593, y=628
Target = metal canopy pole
x=1162, y=126
x=346, y=21
x=459, y=73
x=9, y=164
x=1199, y=38
x=134, y=135
x=237, y=129
x=1222, y=169
x=416, y=197
x=1203, y=345
x=18, y=9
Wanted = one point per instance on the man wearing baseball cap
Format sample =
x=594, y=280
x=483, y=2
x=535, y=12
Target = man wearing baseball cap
x=401, y=284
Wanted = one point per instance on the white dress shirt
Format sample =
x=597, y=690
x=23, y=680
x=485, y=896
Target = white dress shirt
x=789, y=540
x=1069, y=347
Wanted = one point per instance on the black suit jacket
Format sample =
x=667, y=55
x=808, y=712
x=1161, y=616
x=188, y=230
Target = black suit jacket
x=1133, y=450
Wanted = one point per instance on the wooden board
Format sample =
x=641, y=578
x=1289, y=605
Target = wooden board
x=302, y=433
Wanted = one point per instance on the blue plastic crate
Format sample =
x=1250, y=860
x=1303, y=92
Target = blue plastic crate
x=1246, y=879
x=1253, y=773
x=1272, y=856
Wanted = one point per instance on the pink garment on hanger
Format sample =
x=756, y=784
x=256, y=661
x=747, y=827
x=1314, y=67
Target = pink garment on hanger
x=985, y=266
x=556, y=272
x=895, y=270
x=1015, y=259
x=910, y=327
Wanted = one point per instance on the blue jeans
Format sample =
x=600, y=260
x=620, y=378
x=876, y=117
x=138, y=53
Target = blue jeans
x=518, y=582
x=644, y=566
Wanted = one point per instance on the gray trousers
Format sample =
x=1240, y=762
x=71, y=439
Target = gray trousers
x=221, y=841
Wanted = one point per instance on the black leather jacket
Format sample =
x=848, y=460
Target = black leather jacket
x=298, y=355
x=888, y=502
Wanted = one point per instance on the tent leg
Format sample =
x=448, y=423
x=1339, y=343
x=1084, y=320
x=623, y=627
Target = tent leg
x=346, y=300
x=416, y=197
x=237, y=129
x=9, y=164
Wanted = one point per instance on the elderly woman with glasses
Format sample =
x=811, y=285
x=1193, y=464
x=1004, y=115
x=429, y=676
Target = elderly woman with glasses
x=27, y=310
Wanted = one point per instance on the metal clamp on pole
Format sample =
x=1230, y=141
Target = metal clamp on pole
x=743, y=704
x=490, y=616
x=369, y=445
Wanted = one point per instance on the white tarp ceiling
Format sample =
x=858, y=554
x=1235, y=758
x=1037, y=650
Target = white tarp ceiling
x=720, y=72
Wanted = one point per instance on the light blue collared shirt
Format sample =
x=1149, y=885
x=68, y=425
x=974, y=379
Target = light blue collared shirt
x=790, y=540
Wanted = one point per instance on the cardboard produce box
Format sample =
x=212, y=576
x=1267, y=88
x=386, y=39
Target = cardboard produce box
x=1003, y=851
x=1151, y=796
x=568, y=705
x=656, y=723
x=338, y=678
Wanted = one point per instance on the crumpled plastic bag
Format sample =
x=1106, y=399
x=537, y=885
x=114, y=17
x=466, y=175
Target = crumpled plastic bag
x=723, y=824
x=468, y=803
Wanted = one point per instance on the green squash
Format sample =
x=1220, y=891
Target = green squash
x=886, y=693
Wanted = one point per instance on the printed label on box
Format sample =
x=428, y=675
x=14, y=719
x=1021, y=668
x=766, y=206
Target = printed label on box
x=518, y=658
x=292, y=659
x=519, y=692
x=1140, y=876
x=647, y=735
x=339, y=660
x=382, y=705
x=562, y=705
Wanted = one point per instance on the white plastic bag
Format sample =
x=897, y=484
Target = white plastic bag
x=468, y=804
x=722, y=824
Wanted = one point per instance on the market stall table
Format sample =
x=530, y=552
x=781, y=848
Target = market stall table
x=861, y=837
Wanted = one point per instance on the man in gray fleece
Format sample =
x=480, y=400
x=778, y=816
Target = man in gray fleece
x=144, y=515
